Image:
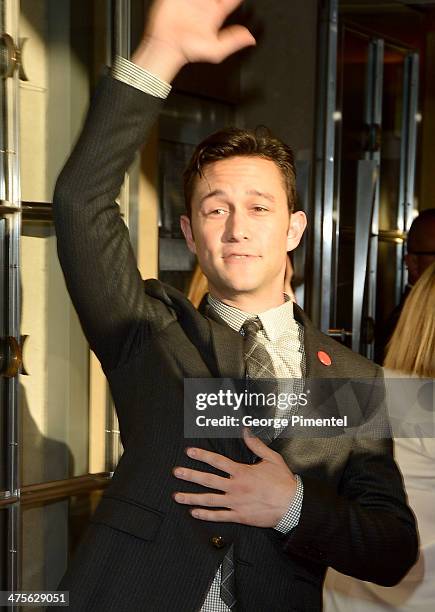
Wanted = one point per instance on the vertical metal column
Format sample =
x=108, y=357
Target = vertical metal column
x=129, y=196
x=373, y=119
x=405, y=210
x=121, y=40
x=324, y=167
x=122, y=28
x=10, y=187
x=367, y=187
x=14, y=235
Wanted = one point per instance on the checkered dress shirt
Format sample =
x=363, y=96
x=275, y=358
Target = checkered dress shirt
x=281, y=335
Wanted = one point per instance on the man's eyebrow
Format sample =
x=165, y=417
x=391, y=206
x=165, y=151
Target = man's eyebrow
x=261, y=194
x=252, y=192
x=211, y=194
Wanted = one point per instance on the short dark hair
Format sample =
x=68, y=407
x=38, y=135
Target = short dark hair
x=235, y=142
x=420, y=227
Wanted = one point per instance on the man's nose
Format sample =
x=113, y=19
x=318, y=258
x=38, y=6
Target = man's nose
x=237, y=227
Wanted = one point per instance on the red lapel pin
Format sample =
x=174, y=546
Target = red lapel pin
x=324, y=358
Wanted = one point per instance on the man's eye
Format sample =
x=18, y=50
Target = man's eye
x=218, y=211
x=260, y=208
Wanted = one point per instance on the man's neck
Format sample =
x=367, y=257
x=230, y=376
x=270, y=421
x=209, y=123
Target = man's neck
x=250, y=303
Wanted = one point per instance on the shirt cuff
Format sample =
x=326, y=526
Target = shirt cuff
x=291, y=517
x=132, y=74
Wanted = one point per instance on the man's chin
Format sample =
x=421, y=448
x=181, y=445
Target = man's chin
x=233, y=289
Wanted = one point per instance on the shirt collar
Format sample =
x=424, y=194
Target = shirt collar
x=276, y=321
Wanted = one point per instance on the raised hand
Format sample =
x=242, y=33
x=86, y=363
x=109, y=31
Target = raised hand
x=181, y=31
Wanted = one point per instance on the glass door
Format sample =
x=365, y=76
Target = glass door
x=397, y=201
x=375, y=125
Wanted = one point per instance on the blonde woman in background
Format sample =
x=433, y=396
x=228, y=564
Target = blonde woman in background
x=198, y=286
x=412, y=348
x=410, y=354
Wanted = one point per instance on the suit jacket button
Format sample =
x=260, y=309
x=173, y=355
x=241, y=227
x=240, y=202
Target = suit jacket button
x=217, y=541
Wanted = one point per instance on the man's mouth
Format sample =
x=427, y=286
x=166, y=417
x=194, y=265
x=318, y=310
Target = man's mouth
x=239, y=256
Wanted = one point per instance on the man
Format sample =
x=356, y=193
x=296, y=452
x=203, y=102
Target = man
x=420, y=254
x=211, y=524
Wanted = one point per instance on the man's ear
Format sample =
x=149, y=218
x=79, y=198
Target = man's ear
x=186, y=228
x=297, y=225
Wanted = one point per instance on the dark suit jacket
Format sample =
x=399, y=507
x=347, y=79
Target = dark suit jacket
x=143, y=551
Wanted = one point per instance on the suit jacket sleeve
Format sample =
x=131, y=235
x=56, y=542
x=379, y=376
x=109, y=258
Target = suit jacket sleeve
x=364, y=527
x=92, y=240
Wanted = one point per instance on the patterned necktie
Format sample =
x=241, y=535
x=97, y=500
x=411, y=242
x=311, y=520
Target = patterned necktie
x=258, y=361
x=228, y=585
x=258, y=365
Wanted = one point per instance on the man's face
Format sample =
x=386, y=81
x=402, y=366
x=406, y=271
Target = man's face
x=240, y=226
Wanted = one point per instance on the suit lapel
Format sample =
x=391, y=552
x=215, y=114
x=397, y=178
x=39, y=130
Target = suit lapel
x=227, y=344
x=220, y=346
x=228, y=351
x=319, y=385
x=314, y=341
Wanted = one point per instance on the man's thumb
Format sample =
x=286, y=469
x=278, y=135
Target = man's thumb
x=256, y=445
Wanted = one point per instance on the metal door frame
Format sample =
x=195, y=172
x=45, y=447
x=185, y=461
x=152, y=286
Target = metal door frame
x=408, y=153
x=322, y=217
x=11, y=210
x=367, y=222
